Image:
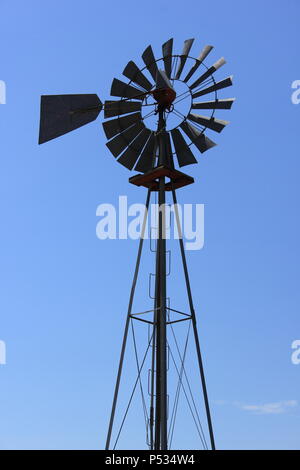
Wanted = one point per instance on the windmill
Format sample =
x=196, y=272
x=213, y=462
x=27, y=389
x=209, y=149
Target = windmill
x=148, y=131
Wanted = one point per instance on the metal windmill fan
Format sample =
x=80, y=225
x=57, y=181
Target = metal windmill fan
x=131, y=141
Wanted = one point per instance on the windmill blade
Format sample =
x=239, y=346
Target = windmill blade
x=132, y=72
x=162, y=80
x=116, y=108
x=61, y=114
x=217, y=86
x=218, y=104
x=209, y=72
x=115, y=126
x=122, y=140
x=119, y=88
x=185, y=52
x=167, y=48
x=202, y=142
x=145, y=161
x=184, y=154
x=203, y=54
x=150, y=62
x=210, y=122
x=130, y=156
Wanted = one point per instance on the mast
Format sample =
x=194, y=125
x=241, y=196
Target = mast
x=160, y=303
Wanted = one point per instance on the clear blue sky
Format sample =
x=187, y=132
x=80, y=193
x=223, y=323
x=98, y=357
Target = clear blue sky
x=64, y=293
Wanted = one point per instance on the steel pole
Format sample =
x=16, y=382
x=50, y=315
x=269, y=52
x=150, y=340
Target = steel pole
x=162, y=317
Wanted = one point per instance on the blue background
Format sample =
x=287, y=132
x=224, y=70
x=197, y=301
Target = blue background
x=64, y=293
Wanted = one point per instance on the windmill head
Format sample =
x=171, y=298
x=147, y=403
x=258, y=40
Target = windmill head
x=149, y=90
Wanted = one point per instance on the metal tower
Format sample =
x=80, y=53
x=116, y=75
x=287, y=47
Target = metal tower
x=152, y=152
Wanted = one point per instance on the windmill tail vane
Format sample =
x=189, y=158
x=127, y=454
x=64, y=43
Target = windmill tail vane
x=152, y=126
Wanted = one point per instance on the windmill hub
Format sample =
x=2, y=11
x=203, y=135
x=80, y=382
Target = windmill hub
x=164, y=98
